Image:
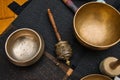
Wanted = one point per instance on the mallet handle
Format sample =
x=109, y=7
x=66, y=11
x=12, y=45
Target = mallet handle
x=115, y=64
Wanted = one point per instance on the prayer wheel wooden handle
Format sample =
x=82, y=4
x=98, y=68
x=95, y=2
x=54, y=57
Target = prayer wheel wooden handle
x=54, y=25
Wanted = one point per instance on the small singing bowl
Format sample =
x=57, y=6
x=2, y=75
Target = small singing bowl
x=97, y=25
x=24, y=47
x=96, y=77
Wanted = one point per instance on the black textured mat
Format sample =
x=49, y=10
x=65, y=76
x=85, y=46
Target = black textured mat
x=44, y=69
x=16, y=8
x=84, y=60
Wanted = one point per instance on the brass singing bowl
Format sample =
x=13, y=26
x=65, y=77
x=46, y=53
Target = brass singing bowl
x=96, y=77
x=97, y=25
x=24, y=47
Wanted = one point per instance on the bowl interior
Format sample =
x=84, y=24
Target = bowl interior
x=23, y=45
x=97, y=24
x=96, y=77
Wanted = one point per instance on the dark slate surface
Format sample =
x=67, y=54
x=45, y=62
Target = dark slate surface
x=84, y=60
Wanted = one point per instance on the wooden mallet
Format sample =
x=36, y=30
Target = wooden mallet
x=110, y=66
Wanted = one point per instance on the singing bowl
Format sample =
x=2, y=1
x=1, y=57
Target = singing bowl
x=97, y=25
x=24, y=47
x=96, y=77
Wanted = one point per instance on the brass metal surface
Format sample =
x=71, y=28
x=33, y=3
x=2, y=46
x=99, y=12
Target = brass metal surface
x=63, y=50
x=96, y=77
x=97, y=25
x=24, y=47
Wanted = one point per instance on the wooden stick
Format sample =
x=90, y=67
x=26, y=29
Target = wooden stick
x=115, y=64
x=62, y=66
x=71, y=5
x=54, y=25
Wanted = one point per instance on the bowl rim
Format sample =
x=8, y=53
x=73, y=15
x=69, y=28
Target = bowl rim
x=91, y=75
x=84, y=41
x=27, y=60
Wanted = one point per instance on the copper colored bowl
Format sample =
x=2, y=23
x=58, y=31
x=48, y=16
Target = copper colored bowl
x=96, y=77
x=24, y=47
x=97, y=25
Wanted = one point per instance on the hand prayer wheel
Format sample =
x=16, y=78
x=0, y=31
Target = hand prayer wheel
x=63, y=48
